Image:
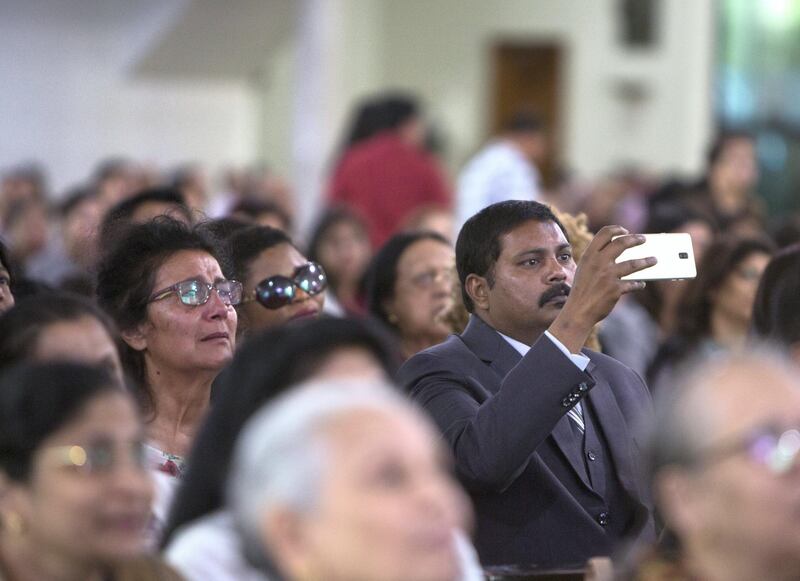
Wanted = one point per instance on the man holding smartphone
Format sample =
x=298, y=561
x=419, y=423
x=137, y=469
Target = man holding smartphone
x=542, y=431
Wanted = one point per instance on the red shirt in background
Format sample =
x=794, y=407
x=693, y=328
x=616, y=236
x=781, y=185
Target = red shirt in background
x=386, y=180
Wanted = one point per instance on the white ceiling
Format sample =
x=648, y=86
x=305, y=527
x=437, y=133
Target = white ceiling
x=221, y=39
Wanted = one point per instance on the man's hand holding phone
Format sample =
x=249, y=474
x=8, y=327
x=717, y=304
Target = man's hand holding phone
x=674, y=253
x=599, y=284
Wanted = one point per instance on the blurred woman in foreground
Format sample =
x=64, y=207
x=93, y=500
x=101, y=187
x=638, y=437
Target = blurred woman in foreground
x=74, y=490
x=342, y=481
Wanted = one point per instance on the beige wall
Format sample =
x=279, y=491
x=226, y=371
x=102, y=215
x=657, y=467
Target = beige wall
x=359, y=70
x=275, y=86
x=441, y=48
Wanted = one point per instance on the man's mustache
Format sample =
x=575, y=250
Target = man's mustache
x=557, y=290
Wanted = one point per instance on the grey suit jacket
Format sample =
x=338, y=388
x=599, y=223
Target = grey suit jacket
x=504, y=417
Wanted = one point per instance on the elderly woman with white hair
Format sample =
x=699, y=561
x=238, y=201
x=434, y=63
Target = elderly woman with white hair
x=346, y=482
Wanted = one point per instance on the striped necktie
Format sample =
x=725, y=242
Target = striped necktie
x=576, y=415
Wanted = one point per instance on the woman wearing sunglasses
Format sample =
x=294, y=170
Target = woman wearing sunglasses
x=74, y=491
x=163, y=285
x=280, y=284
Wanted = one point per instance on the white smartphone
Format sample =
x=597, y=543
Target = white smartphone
x=674, y=253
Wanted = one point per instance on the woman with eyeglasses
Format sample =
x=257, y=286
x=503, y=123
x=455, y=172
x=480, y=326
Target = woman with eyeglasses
x=74, y=490
x=410, y=285
x=279, y=284
x=163, y=284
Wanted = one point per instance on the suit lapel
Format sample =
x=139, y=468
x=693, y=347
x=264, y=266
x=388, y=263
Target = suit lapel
x=566, y=440
x=490, y=347
x=614, y=428
x=486, y=343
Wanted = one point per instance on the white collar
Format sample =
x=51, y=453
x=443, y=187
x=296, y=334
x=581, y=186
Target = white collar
x=521, y=347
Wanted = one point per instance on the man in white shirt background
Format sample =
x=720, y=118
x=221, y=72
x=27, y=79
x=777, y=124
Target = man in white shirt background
x=505, y=169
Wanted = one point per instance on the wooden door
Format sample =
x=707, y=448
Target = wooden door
x=529, y=76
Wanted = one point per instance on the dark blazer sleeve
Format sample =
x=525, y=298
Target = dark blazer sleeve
x=493, y=429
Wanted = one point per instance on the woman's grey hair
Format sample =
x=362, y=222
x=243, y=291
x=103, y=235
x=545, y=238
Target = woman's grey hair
x=685, y=419
x=280, y=458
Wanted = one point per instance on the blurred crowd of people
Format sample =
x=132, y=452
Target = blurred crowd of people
x=446, y=376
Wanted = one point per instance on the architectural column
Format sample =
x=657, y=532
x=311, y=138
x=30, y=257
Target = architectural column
x=315, y=103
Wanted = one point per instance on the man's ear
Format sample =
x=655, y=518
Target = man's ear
x=135, y=337
x=678, y=497
x=285, y=535
x=478, y=290
x=14, y=504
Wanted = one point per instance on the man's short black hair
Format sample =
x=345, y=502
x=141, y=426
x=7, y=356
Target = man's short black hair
x=478, y=244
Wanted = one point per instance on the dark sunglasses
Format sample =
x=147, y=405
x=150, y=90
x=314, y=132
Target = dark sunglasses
x=278, y=291
x=195, y=292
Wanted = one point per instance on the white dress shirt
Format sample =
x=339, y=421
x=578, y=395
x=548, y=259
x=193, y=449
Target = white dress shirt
x=580, y=360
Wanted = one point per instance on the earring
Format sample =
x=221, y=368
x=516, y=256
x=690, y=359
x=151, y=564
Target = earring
x=13, y=523
x=306, y=573
x=393, y=318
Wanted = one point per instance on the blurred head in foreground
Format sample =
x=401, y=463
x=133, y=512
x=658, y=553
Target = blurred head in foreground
x=346, y=481
x=74, y=493
x=724, y=468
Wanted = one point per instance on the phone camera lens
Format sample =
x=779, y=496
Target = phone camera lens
x=684, y=255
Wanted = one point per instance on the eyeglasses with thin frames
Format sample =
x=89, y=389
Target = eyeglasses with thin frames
x=99, y=457
x=194, y=292
x=775, y=448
